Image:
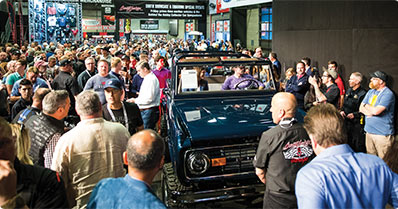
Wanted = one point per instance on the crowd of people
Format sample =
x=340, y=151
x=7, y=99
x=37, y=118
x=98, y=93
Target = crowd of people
x=340, y=126
x=79, y=114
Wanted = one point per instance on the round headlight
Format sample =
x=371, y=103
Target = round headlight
x=198, y=163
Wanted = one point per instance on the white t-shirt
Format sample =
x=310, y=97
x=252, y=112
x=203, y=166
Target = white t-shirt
x=52, y=21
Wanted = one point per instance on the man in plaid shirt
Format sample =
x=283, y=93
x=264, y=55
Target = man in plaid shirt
x=45, y=129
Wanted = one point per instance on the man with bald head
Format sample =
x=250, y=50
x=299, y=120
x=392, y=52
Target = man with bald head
x=145, y=158
x=282, y=151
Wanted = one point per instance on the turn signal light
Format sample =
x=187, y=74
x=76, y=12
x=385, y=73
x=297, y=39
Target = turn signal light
x=218, y=162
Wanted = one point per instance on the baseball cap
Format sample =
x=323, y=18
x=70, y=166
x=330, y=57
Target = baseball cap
x=331, y=72
x=113, y=83
x=64, y=62
x=15, y=51
x=106, y=48
x=40, y=63
x=379, y=74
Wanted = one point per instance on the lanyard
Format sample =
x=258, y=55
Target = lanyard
x=372, y=100
x=126, y=121
x=381, y=91
x=88, y=73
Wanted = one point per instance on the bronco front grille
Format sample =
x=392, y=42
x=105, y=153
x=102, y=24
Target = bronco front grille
x=238, y=158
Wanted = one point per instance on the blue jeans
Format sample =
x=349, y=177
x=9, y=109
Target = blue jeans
x=150, y=117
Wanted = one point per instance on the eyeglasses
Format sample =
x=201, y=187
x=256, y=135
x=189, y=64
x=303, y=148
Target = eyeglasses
x=91, y=63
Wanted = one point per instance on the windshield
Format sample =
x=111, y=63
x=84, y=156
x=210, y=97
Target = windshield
x=236, y=77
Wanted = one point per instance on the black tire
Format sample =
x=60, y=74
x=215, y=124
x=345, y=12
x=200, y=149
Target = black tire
x=163, y=125
x=170, y=183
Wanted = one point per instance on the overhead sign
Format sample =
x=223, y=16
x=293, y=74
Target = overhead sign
x=239, y=3
x=95, y=25
x=108, y=14
x=149, y=24
x=87, y=1
x=160, y=10
x=215, y=7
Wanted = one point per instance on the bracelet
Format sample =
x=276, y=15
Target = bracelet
x=16, y=202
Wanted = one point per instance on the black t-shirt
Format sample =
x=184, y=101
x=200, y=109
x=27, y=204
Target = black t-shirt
x=65, y=81
x=332, y=94
x=282, y=151
x=18, y=106
x=133, y=114
x=119, y=116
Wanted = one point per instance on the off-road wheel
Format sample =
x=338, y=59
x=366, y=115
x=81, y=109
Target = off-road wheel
x=170, y=183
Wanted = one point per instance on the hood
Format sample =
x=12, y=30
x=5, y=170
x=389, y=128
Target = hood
x=225, y=118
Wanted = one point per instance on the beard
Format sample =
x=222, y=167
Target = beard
x=373, y=86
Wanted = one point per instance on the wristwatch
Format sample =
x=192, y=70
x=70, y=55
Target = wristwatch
x=16, y=202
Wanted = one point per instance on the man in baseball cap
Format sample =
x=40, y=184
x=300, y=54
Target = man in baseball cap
x=15, y=53
x=41, y=65
x=330, y=91
x=105, y=54
x=380, y=75
x=378, y=107
x=64, y=61
x=116, y=110
x=65, y=81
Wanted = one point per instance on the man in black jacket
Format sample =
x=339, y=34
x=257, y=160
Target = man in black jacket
x=353, y=119
x=26, y=186
x=26, y=91
x=34, y=109
x=79, y=65
x=65, y=81
x=46, y=128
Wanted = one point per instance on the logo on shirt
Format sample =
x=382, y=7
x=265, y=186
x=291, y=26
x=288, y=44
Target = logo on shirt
x=372, y=100
x=297, y=152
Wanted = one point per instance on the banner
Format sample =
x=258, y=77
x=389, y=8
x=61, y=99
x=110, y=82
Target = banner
x=239, y=3
x=94, y=25
x=219, y=7
x=85, y=1
x=108, y=14
x=160, y=10
x=95, y=1
x=149, y=24
x=215, y=7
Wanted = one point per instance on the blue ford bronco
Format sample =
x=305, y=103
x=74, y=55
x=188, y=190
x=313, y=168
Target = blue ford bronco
x=211, y=131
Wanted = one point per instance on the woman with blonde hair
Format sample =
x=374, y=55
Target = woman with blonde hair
x=22, y=143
